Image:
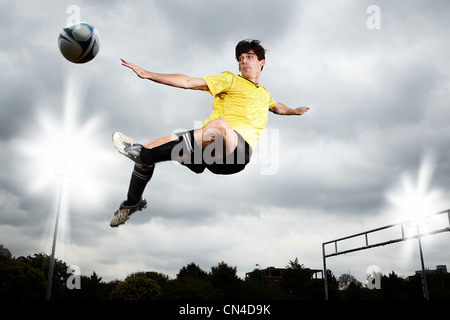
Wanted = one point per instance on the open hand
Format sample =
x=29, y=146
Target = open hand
x=141, y=73
x=301, y=110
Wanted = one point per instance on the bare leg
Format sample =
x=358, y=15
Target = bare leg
x=216, y=138
x=217, y=131
x=160, y=141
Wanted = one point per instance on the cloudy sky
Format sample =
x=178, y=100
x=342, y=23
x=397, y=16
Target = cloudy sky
x=373, y=148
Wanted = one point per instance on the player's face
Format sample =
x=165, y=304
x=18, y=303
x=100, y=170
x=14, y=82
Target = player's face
x=249, y=65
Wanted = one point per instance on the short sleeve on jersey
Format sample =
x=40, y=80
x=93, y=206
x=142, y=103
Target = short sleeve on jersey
x=219, y=83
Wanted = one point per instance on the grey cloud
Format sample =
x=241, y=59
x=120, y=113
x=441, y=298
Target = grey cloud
x=378, y=102
x=215, y=23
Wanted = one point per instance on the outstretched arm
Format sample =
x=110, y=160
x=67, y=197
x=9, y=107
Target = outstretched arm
x=283, y=110
x=174, y=80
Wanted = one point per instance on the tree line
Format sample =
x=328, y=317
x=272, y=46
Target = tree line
x=25, y=278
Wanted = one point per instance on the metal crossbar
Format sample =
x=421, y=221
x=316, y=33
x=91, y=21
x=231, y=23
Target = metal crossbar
x=369, y=245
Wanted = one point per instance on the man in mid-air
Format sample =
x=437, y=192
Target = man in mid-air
x=226, y=140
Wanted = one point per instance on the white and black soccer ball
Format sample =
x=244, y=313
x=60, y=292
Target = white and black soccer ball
x=79, y=43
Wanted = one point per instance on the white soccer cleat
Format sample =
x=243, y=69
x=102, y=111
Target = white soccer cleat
x=128, y=147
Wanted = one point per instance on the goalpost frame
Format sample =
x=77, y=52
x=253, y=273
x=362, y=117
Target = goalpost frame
x=369, y=245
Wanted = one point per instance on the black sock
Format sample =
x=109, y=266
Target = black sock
x=139, y=179
x=183, y=145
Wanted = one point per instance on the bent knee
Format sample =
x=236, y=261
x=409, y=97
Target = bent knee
x=220, y=129
x=217, y=127
x=220, y=124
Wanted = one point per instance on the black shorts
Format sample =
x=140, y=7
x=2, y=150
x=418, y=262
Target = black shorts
x=230, y=164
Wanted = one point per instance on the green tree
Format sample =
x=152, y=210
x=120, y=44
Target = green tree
x=333, y=285
x=224, y=278
x=296, y=280
x=191, y=283
x=136, y=288
x=191, y=271
x=256, y=289
x=191, y=289
x=439, y=285
x=393, y=287
x=160, y=278
x=346, y=279
x=92, y=288
x=20, y=281
x=41, y=261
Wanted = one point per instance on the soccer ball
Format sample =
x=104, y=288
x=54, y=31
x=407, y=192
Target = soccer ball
x=79, y=43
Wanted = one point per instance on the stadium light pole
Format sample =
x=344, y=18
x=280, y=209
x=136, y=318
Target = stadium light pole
x=69, y=169
x=64, y=173
x=55, y=235
x=66, y=159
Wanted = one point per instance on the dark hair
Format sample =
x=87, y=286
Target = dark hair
x=246, y=45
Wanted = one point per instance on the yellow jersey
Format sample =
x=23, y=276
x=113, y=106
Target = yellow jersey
x=243, y=103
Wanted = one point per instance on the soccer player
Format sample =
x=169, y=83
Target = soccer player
x=223, y=144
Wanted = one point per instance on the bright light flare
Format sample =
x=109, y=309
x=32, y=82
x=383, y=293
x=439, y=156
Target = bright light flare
x=59, y=151
x=413, y=198
x=63, y=155
x=62, y=147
